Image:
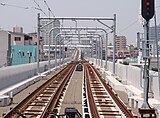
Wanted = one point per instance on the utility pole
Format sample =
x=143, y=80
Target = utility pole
x=114, y=42
x=38, y=39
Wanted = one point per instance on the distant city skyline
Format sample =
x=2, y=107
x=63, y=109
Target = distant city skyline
x=24, y=14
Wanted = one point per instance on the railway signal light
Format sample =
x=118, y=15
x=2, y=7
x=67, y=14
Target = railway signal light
x=147, y=9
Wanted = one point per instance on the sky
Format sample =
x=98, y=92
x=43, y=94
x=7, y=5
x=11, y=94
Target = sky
x=127, y=12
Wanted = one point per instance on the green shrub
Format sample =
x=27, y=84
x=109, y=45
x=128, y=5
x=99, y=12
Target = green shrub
x=126, y=63
x=155, y=69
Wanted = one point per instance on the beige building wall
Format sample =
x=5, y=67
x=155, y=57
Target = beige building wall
x=34, y=42
x=17, y=39
x=4, y=35
x=18, y=29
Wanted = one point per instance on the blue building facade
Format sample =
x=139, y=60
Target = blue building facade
x=23, y=54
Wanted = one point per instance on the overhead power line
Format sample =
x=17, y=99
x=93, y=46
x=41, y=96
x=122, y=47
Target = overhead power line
x=39, y=8
x=49, y=9
x=4, y=4
x=128, y=26
x=16, y=6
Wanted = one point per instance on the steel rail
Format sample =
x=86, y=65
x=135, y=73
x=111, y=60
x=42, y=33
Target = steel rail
x=18, y=110
x=94, y=111
x=114, y=96
x=52, y=104
x=103, y=101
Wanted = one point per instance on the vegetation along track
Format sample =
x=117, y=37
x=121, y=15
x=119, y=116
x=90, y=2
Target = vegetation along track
x=42, y=102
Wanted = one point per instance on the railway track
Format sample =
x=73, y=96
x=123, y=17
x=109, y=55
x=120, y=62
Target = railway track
x=42, y=102
x=103, y=102
x=46, y=101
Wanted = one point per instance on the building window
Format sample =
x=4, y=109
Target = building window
x=17, y=38
x=23, y=54
x=30, y=54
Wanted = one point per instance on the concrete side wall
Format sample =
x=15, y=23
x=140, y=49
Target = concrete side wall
x=154, y=84
x=135, y=76
x=122, y=71
x=14, y=74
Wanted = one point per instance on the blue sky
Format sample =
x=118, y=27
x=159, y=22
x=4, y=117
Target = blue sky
x=127, y=12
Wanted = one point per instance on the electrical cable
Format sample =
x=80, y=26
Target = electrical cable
x=148, y=59
x=16, y=6
x=49, y=8
x=4, y=4
x=128, y=26
x=39, y=8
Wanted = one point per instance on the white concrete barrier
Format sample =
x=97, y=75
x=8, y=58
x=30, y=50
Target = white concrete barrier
x=16, y=78
x=132, y=75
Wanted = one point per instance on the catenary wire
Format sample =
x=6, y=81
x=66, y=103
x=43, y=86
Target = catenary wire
x=16, y=6
x=128, y=26
x=4, y=4
x=49, y=8
x=40, y=8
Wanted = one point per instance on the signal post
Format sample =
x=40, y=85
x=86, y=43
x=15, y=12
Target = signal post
x=147, y=11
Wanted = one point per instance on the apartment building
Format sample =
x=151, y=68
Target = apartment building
x=15, y=38
x=121, y=42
